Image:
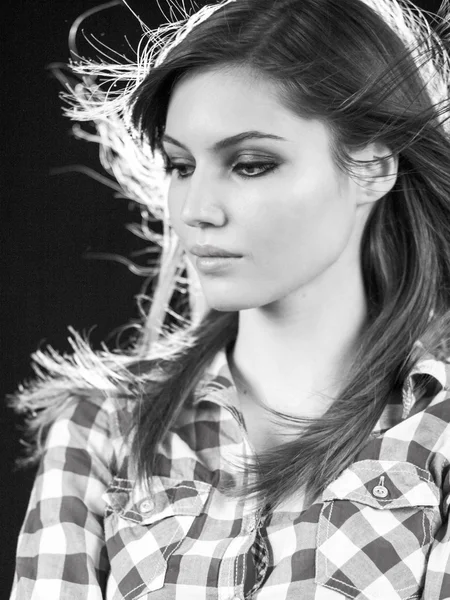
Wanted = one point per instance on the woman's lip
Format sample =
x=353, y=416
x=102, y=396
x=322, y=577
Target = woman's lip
x=216, y=255
x=207, y=250
x=215, y=264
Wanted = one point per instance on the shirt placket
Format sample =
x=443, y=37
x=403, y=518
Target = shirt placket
x=260, y=558
x=232, y=573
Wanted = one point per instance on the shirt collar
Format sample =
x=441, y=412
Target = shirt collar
x=217, y=384
x=428, y=374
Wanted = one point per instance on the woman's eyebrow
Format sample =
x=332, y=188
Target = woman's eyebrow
x=229, y=141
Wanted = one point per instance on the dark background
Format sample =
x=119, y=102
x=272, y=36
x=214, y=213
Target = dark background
x=50, y=222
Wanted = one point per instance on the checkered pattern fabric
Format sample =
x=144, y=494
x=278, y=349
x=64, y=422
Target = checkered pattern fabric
x=379, y=531
x=258, y=568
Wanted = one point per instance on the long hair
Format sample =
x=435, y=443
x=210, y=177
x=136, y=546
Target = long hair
x=372, y=70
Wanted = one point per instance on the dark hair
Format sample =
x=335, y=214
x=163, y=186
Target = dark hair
x=342, y=62
x=372, y=71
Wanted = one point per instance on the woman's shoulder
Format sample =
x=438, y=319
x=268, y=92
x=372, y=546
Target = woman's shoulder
x=91, y=391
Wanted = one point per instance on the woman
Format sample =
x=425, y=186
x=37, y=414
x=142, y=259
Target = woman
x=291, y=437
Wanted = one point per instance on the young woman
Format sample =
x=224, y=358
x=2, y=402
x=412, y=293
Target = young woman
x=290, y=438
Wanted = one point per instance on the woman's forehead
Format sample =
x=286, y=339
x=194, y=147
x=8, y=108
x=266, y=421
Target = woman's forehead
x=221, y=103
x=227, y=85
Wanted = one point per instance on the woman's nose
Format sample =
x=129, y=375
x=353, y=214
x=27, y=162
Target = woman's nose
x=201, y=203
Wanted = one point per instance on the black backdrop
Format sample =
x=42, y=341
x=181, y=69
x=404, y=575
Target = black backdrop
x=50, y=222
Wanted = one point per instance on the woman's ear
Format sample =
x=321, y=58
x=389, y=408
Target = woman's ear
x=377, y=174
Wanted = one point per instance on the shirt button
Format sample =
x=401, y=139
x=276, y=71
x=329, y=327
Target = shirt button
x=380, y=491
x=251, y=527
x=146, y=506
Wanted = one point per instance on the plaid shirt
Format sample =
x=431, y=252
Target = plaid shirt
x=380, y=531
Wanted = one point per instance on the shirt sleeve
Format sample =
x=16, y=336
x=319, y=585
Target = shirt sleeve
x=437, y=581
x=61, y=549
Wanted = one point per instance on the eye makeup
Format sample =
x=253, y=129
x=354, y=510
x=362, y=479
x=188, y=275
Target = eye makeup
x=266, y=167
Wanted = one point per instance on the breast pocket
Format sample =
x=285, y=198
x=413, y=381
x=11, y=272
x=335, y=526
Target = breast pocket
x=143, y=530
x=375, y=529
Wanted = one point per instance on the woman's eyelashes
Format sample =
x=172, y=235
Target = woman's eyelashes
x=246, y=170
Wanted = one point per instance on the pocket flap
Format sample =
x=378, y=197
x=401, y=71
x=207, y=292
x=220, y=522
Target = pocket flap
x=405, y=485
x=166, y=497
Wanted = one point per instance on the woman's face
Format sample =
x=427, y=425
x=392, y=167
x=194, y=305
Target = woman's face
x=280, y=203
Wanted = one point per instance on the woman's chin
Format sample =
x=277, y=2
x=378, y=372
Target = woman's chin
x=225, y=306
x=229, y=303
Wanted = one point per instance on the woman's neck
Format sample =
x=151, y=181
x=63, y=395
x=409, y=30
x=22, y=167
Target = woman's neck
x=289, y=353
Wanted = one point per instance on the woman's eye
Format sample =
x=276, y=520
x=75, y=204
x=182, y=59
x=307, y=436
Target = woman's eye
x=180, y=169
x=247, y=170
